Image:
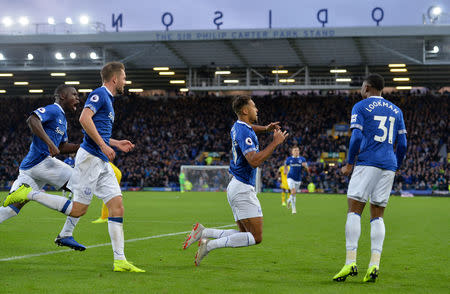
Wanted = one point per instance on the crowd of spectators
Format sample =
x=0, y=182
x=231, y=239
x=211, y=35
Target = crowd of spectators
x=170, y=132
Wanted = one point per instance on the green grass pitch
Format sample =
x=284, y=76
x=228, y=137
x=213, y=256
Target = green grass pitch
x=299, y=253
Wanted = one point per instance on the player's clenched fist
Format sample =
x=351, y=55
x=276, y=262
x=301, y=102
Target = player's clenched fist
x=108, y=151
x=53, y=150
x=347, y=169
x=125, y=145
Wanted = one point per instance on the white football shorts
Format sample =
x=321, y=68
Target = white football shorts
x=91, y=176
x=293, y=184
x=50, y=171
x=369, y=182
x=243, y=201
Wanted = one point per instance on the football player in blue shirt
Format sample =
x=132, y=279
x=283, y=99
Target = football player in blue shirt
x=39, y=167
x=294, y=177
x=70, y=160
x=92, y=173
x=241, y=194
x=377, y=125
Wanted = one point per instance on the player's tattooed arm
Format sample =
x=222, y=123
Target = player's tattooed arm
x=35, y=125
x=255, y=159
x=265, y=129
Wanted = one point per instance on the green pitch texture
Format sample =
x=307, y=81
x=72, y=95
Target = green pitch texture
x=299, y=253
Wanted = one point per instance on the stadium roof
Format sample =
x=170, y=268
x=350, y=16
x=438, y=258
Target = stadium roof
x=251, y=55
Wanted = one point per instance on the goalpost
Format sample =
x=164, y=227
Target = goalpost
x=212, y=177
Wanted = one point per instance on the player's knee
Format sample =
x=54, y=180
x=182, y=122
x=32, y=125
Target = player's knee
x=116, y=209
x=78, y=210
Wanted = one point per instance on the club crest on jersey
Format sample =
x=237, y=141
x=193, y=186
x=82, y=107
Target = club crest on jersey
x=248, y=141
x=87, y=191
x=41, y=110
x=95, y=98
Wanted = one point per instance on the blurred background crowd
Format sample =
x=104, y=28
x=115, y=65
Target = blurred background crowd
x=170, y=132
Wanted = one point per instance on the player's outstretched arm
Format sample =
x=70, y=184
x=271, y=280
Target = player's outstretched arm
x=88, y=125
x=67, y=148
x=265, y=129
x=122, y=145
x=35, y=125
x=255, y=159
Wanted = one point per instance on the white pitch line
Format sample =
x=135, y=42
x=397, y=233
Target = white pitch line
x=104, y=244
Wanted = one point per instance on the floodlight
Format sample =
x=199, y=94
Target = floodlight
x=23, y=20
x=7, y=21
x=84, y=19
x=338, y=70
x=403, y=87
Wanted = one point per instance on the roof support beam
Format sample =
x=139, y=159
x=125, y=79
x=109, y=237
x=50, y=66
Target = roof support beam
x=297, y=72
x=360, y=49
x=115, y=55
x=257, y=73
x=132, y=56
x=176, y=53
x=237, y=53
x=395, y=52
x=298, y=51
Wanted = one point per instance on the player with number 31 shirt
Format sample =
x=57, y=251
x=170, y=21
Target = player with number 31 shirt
x=377, y=125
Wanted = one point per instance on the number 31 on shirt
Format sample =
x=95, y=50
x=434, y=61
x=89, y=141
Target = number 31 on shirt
x=382, y=126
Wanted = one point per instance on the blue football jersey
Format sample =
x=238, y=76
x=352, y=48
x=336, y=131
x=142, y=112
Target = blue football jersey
x=100, y=101
x=380, y=122
x=295, y=171
x=70, y=161
x=54, y=122
x=243, y=141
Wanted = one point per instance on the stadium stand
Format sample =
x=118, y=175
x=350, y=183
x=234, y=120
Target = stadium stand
x=170, y=132
x=174, y=129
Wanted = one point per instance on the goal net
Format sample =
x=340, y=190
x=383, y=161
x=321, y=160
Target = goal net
x=211, y=177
